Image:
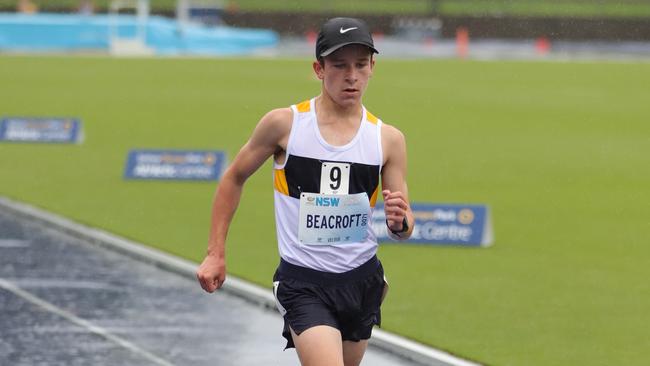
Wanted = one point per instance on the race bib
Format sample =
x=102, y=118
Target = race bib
x=333, y=219
x=335, y=178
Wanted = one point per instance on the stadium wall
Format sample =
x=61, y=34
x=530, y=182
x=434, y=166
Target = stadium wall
x=479, y=27
x=564, y=28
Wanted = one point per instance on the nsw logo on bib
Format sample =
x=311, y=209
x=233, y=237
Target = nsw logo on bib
x=333, y=219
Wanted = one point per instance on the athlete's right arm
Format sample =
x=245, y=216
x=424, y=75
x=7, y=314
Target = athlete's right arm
x=269, y=137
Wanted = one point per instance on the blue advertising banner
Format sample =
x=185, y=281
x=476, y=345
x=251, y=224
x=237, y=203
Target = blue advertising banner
x=175, y=164
x=41, y=129
x=467, y=225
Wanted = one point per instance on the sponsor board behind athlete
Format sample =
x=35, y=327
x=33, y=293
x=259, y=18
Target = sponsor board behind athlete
x=330, y=156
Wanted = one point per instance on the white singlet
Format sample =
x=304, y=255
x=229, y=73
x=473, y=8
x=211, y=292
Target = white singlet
x=325, y=194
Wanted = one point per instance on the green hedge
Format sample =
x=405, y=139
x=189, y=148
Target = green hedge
x=572, y=8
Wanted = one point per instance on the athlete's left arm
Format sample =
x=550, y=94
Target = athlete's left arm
x=393, y=181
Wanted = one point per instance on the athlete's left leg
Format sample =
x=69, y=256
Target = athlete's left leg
x=353, y=352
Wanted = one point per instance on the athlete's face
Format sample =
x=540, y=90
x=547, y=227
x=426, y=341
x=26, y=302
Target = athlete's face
x=345, y=73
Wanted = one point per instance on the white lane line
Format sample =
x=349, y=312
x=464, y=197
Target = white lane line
x=14, y=243
x=82, y=323
x=120, y=330
x=30, y=283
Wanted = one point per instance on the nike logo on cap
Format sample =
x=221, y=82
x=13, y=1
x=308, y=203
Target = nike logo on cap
x=347, y=29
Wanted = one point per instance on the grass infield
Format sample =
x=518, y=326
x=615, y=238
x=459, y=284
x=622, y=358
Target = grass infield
x=560, y=151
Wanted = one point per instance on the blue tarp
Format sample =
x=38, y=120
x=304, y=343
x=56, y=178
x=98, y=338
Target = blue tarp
x=72, y=32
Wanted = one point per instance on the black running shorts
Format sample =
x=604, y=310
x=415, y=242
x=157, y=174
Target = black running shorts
x=348, y=301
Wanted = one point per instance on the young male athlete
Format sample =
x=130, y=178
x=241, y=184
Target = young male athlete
x=329, y=155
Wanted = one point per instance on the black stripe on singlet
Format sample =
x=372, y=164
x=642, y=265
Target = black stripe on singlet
x=304, y=175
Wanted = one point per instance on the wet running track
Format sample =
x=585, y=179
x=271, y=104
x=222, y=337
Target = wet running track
x=64, y=301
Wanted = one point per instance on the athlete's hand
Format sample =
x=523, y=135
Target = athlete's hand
x=211, y=273
x=395, y=207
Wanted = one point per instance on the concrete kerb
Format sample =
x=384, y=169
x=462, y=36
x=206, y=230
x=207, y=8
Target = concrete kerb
x=253, y=293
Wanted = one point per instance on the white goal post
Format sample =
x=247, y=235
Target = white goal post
x=129, y=45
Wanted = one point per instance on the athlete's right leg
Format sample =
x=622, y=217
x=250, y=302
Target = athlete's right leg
x=319, y=346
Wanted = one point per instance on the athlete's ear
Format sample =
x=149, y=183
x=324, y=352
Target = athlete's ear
x=318, y=69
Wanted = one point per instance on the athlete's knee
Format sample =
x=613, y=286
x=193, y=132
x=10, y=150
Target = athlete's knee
x=353, y=352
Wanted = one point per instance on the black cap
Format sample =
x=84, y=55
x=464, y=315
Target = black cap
x=339, y=32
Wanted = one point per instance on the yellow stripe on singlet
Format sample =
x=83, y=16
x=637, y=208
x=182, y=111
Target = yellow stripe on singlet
x=304, y=106
x=371, y=117
x=373, y=199
x=280, y=182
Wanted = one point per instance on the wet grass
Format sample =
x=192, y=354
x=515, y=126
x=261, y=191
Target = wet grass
x=558, y=150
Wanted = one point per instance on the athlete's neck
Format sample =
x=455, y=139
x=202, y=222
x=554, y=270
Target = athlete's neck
x=337, y=125
x=330, y=112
